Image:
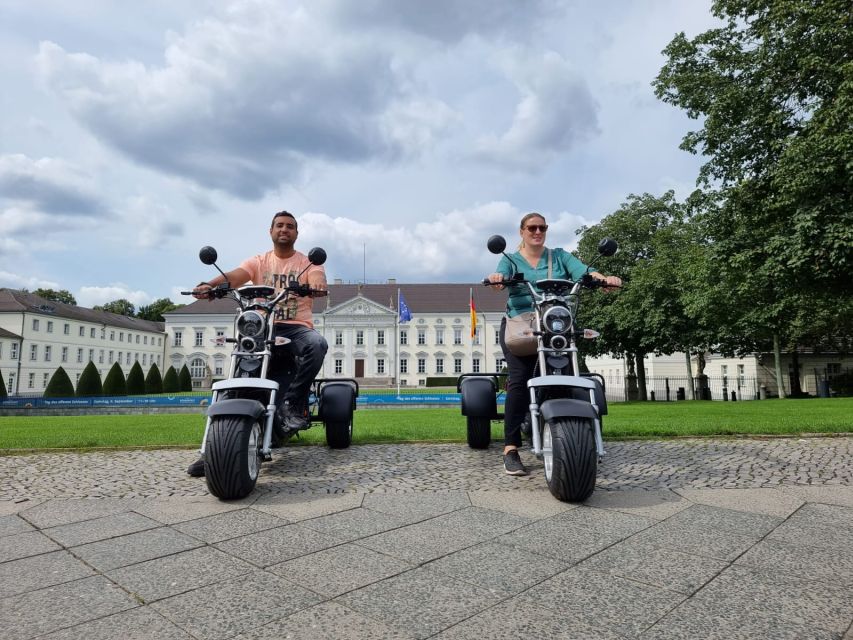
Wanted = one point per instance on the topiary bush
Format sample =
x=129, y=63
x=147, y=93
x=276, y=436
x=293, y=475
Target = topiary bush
x=153, y=381
x=60, y=385
x=185, y=381
x=170, y=381
x=114, y=383
x=2, y=386
x=89, y=383
x=135, y=380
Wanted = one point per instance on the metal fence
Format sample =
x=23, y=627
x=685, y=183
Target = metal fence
x=674, y=388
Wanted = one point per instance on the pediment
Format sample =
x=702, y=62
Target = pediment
x=360, y=306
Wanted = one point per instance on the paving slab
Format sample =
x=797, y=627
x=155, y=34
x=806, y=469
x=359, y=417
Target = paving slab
x=740, y=538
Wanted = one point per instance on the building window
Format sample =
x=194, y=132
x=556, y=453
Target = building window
x=380, y=337
x=160, y=341
x=34, y=352
x=112, y=336
x=50, y=326
x=218, y=368
x=404, y=365
x=35, y=324
x=439, y=365
x=199, y=338
x=145, y=340
x=79, y=355
x=339, y=338
x=404, y=336
x=112, y=356
x=475, y=365
x=457, y=336
x=179, y=339
x=121, y=336
x=421, y=337
x=31, y=381
x=91, y=355
x=197, y=368
x=144, y=359
x=499, y=364
x=82, y=331
x=92, y=332
x=66, y=329
x=740, y=375
x=339, y=366
x=47, y=354
x=724, y=371
x=100, y=356
x=421, y=365
x=127, y=358
x=137, y=338
x=10, y=385
x=497, y=337
x=476, y=335
x=457, y=365
x=380, y=366
x=359, y=337
x=45, y=378
x=103, y=333
x=14, y=354
x=439, y=336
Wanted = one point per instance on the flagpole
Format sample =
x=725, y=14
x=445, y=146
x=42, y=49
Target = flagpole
x=397, y=342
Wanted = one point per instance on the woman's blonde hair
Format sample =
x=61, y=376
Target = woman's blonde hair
x=532, y=214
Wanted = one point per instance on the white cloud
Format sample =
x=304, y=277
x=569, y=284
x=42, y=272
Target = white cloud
x=15, y=281
x=556, y=111
x=245, y=101
x=91, y=296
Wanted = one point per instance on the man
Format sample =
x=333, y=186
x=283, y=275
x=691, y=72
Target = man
x=293, y=319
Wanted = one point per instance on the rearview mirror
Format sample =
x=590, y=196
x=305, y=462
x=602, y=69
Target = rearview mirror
x=317, y=256
x=496, y=244
x=607, y=247
x=207, y=255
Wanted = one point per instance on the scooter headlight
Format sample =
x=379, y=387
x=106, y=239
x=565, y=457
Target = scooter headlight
x=251, y=324
x=557, y=319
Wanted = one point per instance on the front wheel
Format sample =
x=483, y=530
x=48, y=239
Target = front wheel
x=570, y=457
x=232, y=456
x=479, y=432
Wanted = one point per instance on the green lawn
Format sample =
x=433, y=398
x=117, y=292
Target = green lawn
x=626, y=420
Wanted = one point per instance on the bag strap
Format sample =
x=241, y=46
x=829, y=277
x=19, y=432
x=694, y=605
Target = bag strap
x=549, y=264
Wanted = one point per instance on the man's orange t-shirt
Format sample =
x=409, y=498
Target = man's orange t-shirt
x=269, y=269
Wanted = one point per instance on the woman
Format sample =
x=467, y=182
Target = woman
x=531, y=260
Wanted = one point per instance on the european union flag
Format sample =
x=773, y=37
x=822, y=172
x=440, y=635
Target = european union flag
x=405, y=314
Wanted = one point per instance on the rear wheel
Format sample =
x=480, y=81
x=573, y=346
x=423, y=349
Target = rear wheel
x=339, y=433
x=232, y=456
x=479, y=432
x=570, y=458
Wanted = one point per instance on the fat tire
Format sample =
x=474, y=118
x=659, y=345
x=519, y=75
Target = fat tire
x=479, y=432
x=339, y=433
x=226, y=457
x=575, y=459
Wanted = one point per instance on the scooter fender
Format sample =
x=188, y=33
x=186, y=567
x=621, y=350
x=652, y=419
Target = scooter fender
x=567, y=407
x=337, y=401
x=479, y=397
x=236, y=407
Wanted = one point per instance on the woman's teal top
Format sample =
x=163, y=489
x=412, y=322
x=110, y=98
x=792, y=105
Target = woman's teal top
x=564, y=266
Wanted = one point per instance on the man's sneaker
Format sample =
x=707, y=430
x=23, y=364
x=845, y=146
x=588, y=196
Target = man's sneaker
x=513, y=465
x=297, y=420
x=196, y=469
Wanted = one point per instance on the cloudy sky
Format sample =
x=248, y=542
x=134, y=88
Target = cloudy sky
x=402, y=133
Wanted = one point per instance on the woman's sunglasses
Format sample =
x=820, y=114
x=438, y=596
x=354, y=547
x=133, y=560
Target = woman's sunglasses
x=533, y=228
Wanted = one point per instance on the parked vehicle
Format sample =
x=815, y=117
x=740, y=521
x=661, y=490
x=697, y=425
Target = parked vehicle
x=566, y=406
x=242, y=425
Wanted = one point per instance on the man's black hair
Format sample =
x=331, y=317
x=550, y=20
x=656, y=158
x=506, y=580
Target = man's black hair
x=287, y=214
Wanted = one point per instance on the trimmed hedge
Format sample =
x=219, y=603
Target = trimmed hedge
x=89, y=383
x=2, y=386
x=185, y=381
x=114, y=383
x=60, y=385
x=153, y=381
x=170, y=381
x=441, y=381
x=135, y=380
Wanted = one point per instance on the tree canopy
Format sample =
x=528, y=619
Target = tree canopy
x=156, y=309
x=56, y=296
x=121, y=306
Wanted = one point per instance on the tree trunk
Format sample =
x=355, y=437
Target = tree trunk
x=641, y=375
x=796, y=389
x=690, y=374
x=777, y=356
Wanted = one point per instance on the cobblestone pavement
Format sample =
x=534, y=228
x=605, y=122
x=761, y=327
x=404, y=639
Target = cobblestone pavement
x=713, y=539
x=692, y=464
